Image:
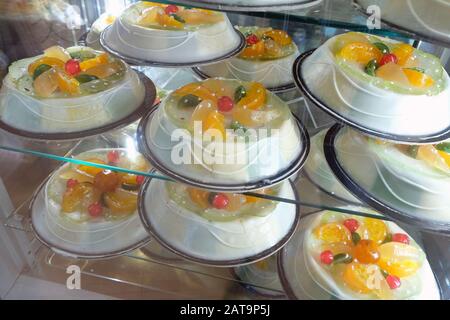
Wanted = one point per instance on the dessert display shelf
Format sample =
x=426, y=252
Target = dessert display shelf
x=387, y=178
x=251, y=5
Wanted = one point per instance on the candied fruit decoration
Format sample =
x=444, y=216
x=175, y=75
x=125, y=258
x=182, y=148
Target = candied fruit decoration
x=393, y=281
x=199, y=197
x=248, y=118
x=120, y=201
x=399, y=259
x=220, y=201
x=332, y=232
x=375, y=230
x=366, y=251
x=279, y=36
x=171, y=8
x=91, y=63
x=225, y=104
x=218, y=87
x=262, y=265
x=58, y=53
x=215, y=120
x=74, y=197
x=351, y=224
x=272, y=49
x=235, y=201
x=326, y=257
x=140, y=179
x=106, y=181
x=418, y=79
x=150, y=16
x=356, y=276
x=198, y=17
x=95, y=209
x=432, y=157
x=53, y=62
x=337, y=247
x=253, y=51
x=251, y=39
x=113, y=156
x=67, y=84
x=360, y=52
x=404, y=53
x=72, y=67
x=40, y=70
x=104, y=70
x=393, y=72
x=400, y=237
x=384, y=49
x=71, y=183
x=388, y=58
x=167, y=21
x=446, y=156
x=90, y=170
x=196, y=89
x=46, y=84
x=255, y=98
x=200, y=113
x=348, y=38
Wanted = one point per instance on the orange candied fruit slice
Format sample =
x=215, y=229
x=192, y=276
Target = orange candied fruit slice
x=150, y=16
x=376, y=229
x=446, y=156
x=399, y=259
x=90, y=170
x=215, y=120
x=167, y=21
x=279, y=36
x=356, y=277
x=254, y=51
x=57, y=52
x=120, y=202
x=403, y=52
x=102, y=71
x=98, y=60
x=67, y=84
x=199, y=197
x=418, y=79
x=332, y=232
x=197, y=89
x=360, y=52
x=54, y=62
x=255, y=97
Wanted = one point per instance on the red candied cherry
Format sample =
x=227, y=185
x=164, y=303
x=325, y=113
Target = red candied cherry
x=171, y=9
x=95, y=209
x=72, y=67
x=220, y=201
x=351, y=224
x=252, y=39
x=140, y=179
x=393, y=281
x=400, y=237
x=387, y=58
x=113, y=156
x=225, y=104
x=327, y=257
x=71, y=183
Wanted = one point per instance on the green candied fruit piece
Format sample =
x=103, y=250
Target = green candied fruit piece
x=40, y=70
x=412, y=151
x=239, y=93
x=178, y=18
x=189, y=101
x=444, y=146
x=82, y=55
x=382, y=47
x=83, y=78
x=371, y=67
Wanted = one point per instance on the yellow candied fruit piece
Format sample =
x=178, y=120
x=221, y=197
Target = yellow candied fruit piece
x=197, y=17
x=53, y=62
x=375, y=229
x=403, y=52
x=360, y=52
x=150, y=16
x=399, y=259
x=67, y=84
x=90, y=63
x=167, y=21
x=215, y=120
x=46, y=83
x=92, y=171
x=432, y=157
x=58, y=53
x=332, y=232
x=279, y=36
x=445, y=156
x=120, y=202
x=255, y=97
x=104, y=70
x=393, y=72
x=196, y=89
x=418, y=79
x=356, y=277
x=199, y=197
x=254, y=51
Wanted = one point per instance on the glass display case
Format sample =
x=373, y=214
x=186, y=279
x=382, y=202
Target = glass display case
x=225, y=149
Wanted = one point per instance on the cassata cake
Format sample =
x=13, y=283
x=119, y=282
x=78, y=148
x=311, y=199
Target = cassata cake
x=267, y=58
x=93, y=36
x=380, y=85
x=425, y=17
x=319, y=172
x=67, y=90
x=223, y=130
x=217, y=228
x=87, y=208
x=347, y=257
x=163, y=34
x=414, y=179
